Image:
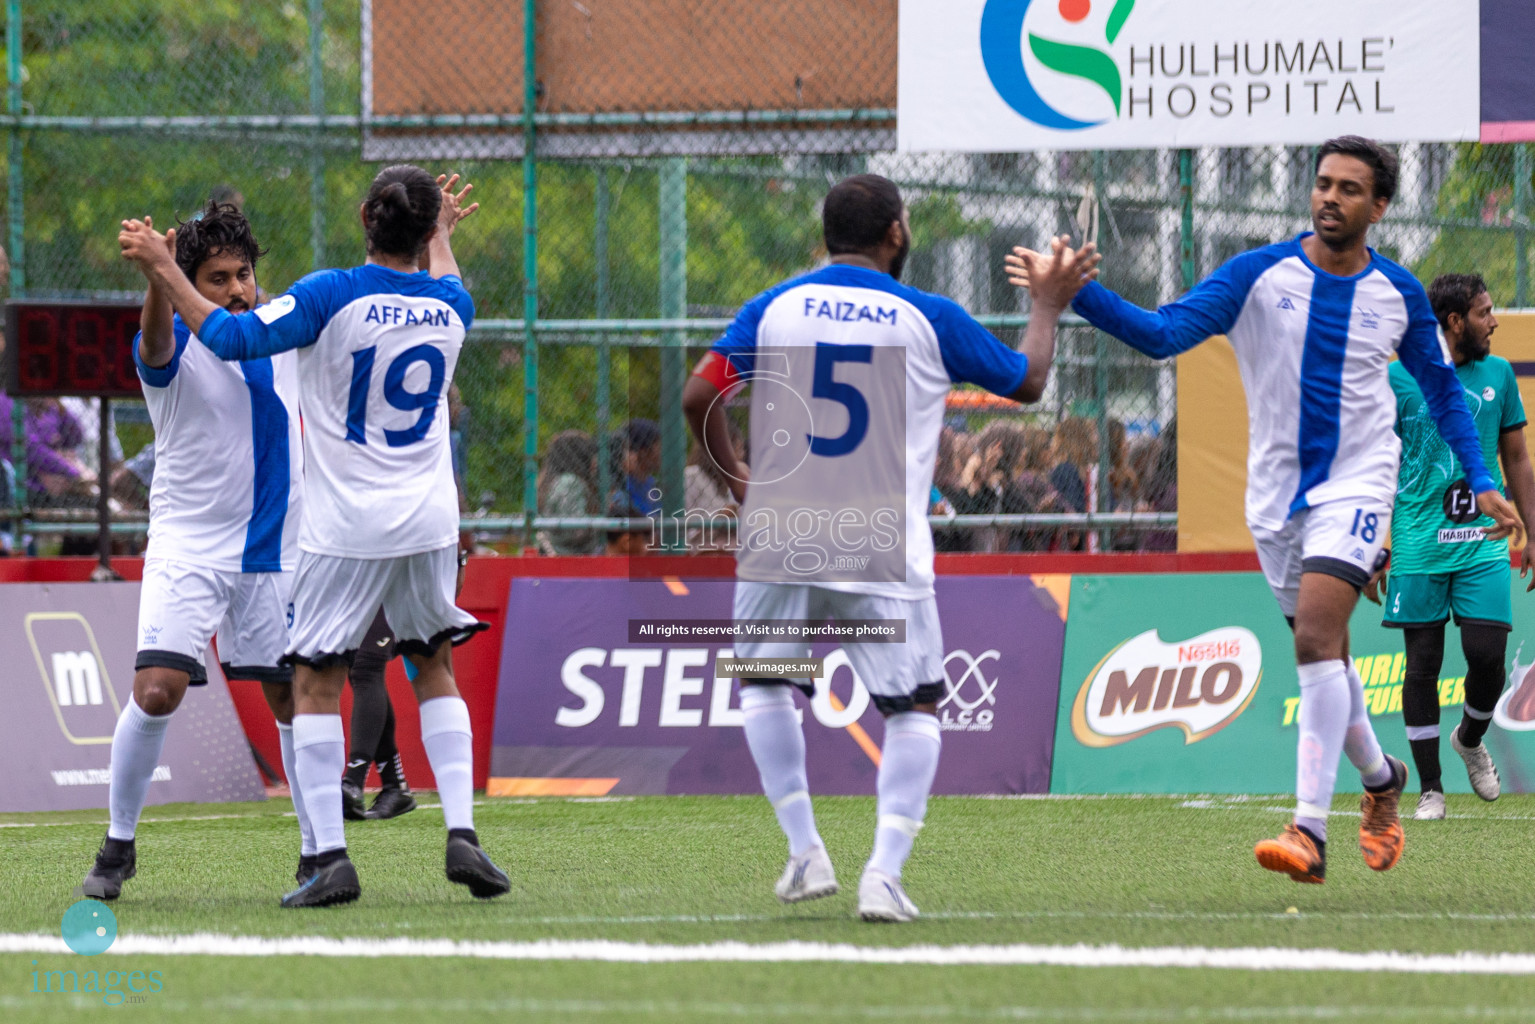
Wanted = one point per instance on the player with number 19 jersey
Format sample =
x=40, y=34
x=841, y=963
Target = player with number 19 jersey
x=376, y=351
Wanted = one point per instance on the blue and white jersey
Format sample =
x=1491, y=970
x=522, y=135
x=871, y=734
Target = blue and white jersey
x=1313, y=349
x=228, y=462
x=849, y=372
x=376, y=353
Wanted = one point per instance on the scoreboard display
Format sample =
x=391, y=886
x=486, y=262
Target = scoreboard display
x=71, y=348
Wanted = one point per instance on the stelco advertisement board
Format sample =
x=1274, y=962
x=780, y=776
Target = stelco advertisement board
x=1180, y=683
x=587, y=707
x=1009, y=75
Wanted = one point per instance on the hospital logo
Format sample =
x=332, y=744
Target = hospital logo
x=1003, y=35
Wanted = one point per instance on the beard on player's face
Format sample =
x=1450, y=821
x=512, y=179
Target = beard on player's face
x=898, y=263
x=1475, y=343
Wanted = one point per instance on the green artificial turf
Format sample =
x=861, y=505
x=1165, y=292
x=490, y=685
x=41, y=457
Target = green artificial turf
x=1151, y=871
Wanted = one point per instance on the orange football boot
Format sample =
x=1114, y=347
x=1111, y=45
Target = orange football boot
x=1294, y=853
x=1380, y=828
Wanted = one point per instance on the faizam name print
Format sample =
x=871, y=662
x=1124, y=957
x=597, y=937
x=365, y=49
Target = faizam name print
x=405, y=317
x=848, y=312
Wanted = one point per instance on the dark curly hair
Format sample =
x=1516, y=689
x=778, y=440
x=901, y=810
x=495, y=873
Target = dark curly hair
x=402, y=206
x=1454, y=293
x=1382, y=161
x=218, y=228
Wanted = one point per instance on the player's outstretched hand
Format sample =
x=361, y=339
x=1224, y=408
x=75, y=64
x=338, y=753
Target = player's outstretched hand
x=1017, y=263
x=1054, y=280
x=1526, y=563
x=1505, y=517
x=141, y=243
x=453, y=208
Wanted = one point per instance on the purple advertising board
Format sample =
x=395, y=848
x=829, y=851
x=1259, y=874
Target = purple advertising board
x=72, y=649
x=584, y=708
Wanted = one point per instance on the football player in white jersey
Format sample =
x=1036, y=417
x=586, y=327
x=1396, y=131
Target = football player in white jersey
x=223, y=525
x=849, y=371
x=1315, y=322
x=376, y=349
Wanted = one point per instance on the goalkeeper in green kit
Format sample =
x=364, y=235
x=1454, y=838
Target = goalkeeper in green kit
x=1441, y=564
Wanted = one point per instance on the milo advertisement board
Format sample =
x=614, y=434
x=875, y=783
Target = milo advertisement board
x=1186, y=683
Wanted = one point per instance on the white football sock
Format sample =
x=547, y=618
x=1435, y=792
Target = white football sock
x=319, y=758
x=777, y=743
x=136, y=745
x=1359, y=743
x=445, y=733
x=1323, y=719
x=305, y=830
x=906, y=769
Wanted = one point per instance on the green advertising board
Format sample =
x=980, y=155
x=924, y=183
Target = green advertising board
x=1185, y=683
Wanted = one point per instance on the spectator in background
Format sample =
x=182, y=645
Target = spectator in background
x=946, y=473
x=706, y=493
x=53, y=437
x=1122, y=489
x=637, y=451
x=1074, y=454
x=1156, y=464
x=1030, y=491
x=985, y=480
x=630, y=540
x=567, y=486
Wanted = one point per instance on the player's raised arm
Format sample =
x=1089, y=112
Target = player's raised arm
x=439, y=259
x=1207, y=310
x=142, y=244
x=157, y=334
x=1053, y=281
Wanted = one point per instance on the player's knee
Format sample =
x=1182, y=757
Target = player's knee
x=1313, y=643
x=1485, y=648
x=279, y=697
x=158, y=691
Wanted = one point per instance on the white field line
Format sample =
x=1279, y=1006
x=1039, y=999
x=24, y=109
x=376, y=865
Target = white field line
x=1081, y=955
x=587, y=1008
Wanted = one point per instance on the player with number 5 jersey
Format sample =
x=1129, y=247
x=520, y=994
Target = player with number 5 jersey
x=377, y=345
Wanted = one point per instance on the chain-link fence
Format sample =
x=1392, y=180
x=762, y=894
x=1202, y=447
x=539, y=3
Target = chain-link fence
x=668, y=190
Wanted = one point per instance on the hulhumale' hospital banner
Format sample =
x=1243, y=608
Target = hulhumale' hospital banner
x=1002, y=75
x=598, y=695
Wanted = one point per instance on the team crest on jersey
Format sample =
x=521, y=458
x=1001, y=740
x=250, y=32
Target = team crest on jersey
x=152, y=635
x=1369, y=319
x=1285, y=303
x=276, y=309
x=1488, y=394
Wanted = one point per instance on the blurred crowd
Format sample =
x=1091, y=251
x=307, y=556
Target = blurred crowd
x=1005, y=467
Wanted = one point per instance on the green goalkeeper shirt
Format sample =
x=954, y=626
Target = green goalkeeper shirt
x=1436, y=526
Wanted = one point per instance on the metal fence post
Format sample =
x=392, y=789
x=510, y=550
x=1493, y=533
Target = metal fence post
x=1186, y=230
x=604, y=344
x=529, y=270
x=16, y=207
x=674, y=305
x=1521, y=225
x=316, y=154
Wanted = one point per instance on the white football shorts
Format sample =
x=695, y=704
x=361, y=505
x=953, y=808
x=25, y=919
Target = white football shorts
x=182, y=607
x=1340, y=538
x=897, y=675
x=335, y=600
